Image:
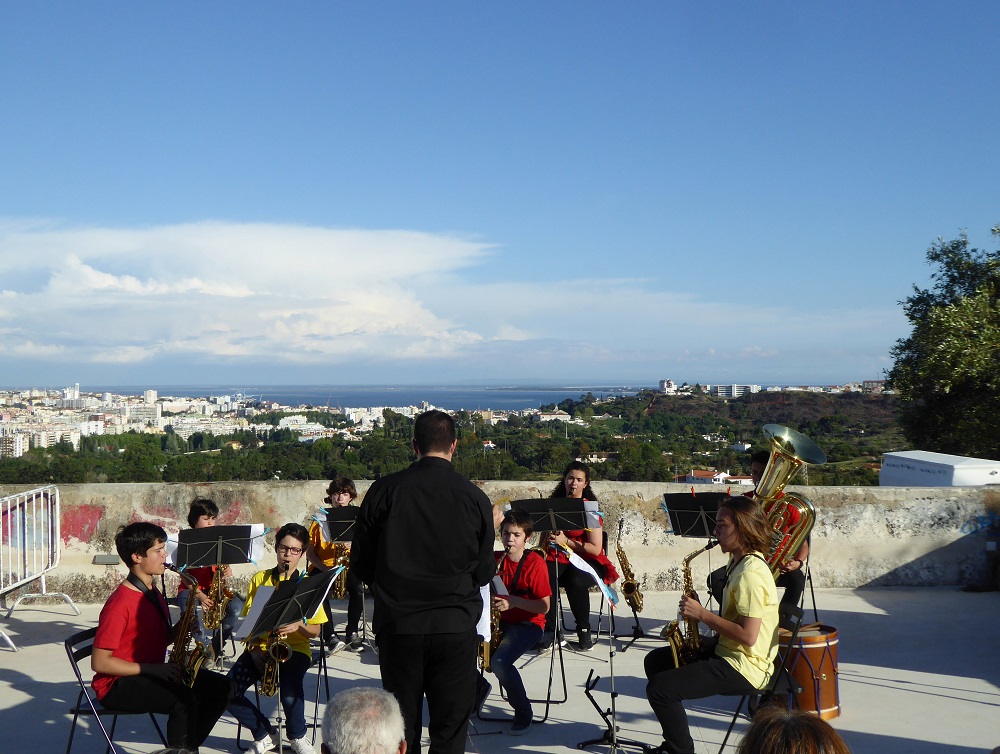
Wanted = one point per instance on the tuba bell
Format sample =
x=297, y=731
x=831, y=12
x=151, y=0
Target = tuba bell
x=790, y=515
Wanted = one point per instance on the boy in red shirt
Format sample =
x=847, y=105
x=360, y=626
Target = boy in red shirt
x=522, y=611
x=130, y=647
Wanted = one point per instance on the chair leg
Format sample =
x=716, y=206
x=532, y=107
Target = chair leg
x=732, y=724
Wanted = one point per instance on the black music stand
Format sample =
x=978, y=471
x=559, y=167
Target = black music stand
x=213, y=545
x=693, y=514
x=293, y=601
x=339, y=524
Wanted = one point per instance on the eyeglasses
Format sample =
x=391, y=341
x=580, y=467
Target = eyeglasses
x=289, y=550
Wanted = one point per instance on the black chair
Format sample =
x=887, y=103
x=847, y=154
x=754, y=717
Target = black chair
x=781, y=682
x=80, y=646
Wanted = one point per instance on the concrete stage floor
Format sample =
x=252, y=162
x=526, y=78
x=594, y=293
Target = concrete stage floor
x=919, y=673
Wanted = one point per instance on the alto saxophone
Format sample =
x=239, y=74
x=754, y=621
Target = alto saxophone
x=629, y=586
x=276, y=651
x=220, y=595
x=187, y=653
x=683, y=634
x=489, y=645
x=342, y=557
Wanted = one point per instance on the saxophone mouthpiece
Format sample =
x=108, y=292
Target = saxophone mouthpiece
x=711, y=544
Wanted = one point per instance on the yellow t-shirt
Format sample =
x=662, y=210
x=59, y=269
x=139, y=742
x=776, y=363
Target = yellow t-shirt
x=750, y=591
x=296, y=641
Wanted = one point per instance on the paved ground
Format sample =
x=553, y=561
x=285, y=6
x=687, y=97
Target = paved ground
x=919, y=672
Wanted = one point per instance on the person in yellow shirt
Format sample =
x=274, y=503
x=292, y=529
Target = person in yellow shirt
x=743, y=657
x=290, y=543
x=323, y=556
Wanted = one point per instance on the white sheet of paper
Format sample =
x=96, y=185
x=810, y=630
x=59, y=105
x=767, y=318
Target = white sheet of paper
x=483, y=626
x=498, y=585
x=260, y=598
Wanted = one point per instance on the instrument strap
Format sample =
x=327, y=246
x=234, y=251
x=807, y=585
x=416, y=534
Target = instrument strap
x=153, y=595
x=517, y=573
x=733, y=566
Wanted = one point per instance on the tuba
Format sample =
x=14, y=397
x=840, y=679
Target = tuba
x=276, y=652
x=187, y=653
x=790, y=515
x=629, y=587
x=683, y=634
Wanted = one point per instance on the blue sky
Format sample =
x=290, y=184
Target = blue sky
x=400, y=193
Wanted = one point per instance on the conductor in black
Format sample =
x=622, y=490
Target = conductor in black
x=423, y=543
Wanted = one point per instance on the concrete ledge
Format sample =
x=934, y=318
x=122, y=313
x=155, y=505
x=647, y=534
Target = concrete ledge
x=864, y=536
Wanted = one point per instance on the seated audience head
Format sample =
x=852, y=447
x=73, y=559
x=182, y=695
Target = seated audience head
x=776, y=730
x=434, y=433
x=364, y=720
x=136, y=539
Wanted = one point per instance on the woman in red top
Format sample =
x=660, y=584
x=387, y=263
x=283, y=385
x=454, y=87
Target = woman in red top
x=589, y=545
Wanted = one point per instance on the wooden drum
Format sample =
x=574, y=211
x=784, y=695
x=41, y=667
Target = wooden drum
x=812, y=663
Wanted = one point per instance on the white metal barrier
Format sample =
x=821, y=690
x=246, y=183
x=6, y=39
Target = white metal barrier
x=29, y=545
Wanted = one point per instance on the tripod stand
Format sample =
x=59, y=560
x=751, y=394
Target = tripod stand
x=610, y=736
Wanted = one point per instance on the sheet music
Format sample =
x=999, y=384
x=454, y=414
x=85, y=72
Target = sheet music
x=260, y=598
x=498, y=585
x=483, y=626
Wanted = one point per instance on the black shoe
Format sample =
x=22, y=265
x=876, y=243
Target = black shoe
x=585, y=639
x=521, y=724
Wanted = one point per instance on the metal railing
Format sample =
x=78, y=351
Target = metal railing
x=29, y=546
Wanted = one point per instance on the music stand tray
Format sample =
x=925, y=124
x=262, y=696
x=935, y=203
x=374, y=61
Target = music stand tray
x=693, y=514
x=558, y=513
x=338, y=525
x=215, y=545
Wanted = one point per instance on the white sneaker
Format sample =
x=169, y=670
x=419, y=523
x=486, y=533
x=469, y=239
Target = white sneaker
x=301, y=746
x=267, y=743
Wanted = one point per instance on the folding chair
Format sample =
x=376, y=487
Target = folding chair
x=80, y=646
x=789, y=618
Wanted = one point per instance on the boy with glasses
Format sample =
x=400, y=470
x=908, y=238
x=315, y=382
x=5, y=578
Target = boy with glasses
x=290, y=542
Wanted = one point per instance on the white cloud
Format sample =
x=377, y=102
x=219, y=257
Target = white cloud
x=277, y=295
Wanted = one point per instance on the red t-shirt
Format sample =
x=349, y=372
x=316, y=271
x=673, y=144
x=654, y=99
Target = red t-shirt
x=204, y=575
x=133, y=628
x=532, y=584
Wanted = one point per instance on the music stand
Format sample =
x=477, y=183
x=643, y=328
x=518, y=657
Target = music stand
x=692, y=514
x=214, y=545
x=557, y=513
x=293, y=601
x=339, y=524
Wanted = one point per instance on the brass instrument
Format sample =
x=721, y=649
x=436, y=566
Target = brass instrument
x=629, y=586
x=276, y=651
x=220, y=594
x=187, y=653
x=683, y=634
x=342, y=556
x=489, y=645
x=791, y=515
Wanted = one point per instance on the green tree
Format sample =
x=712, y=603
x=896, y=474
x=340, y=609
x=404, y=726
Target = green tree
x=946, y=371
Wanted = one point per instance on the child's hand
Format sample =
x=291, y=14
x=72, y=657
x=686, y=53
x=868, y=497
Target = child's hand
x=165, y=671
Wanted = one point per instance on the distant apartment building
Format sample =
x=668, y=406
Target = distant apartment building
x=554, y=416
x=149, y=396
x=734, y=391
x=13, y=445
x=668, y=386
x=873, y=386
x=146, y=414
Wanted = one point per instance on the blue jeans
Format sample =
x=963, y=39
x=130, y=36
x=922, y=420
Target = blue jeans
x=246, y=671
x=518, y=638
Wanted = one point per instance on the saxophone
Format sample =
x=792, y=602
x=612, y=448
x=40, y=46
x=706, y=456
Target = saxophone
x=683, y=634
x=276, y=651
x=185, y=656
x=629, y=586
x=488, y=646
x=220, y=594
x=342, y=557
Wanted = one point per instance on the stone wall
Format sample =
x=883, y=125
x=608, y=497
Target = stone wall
x=863, y=536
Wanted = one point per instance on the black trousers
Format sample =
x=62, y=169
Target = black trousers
x=355, y=606
x=668, y=685
x=577, y=585
x=191, y=712
x=441, y=667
